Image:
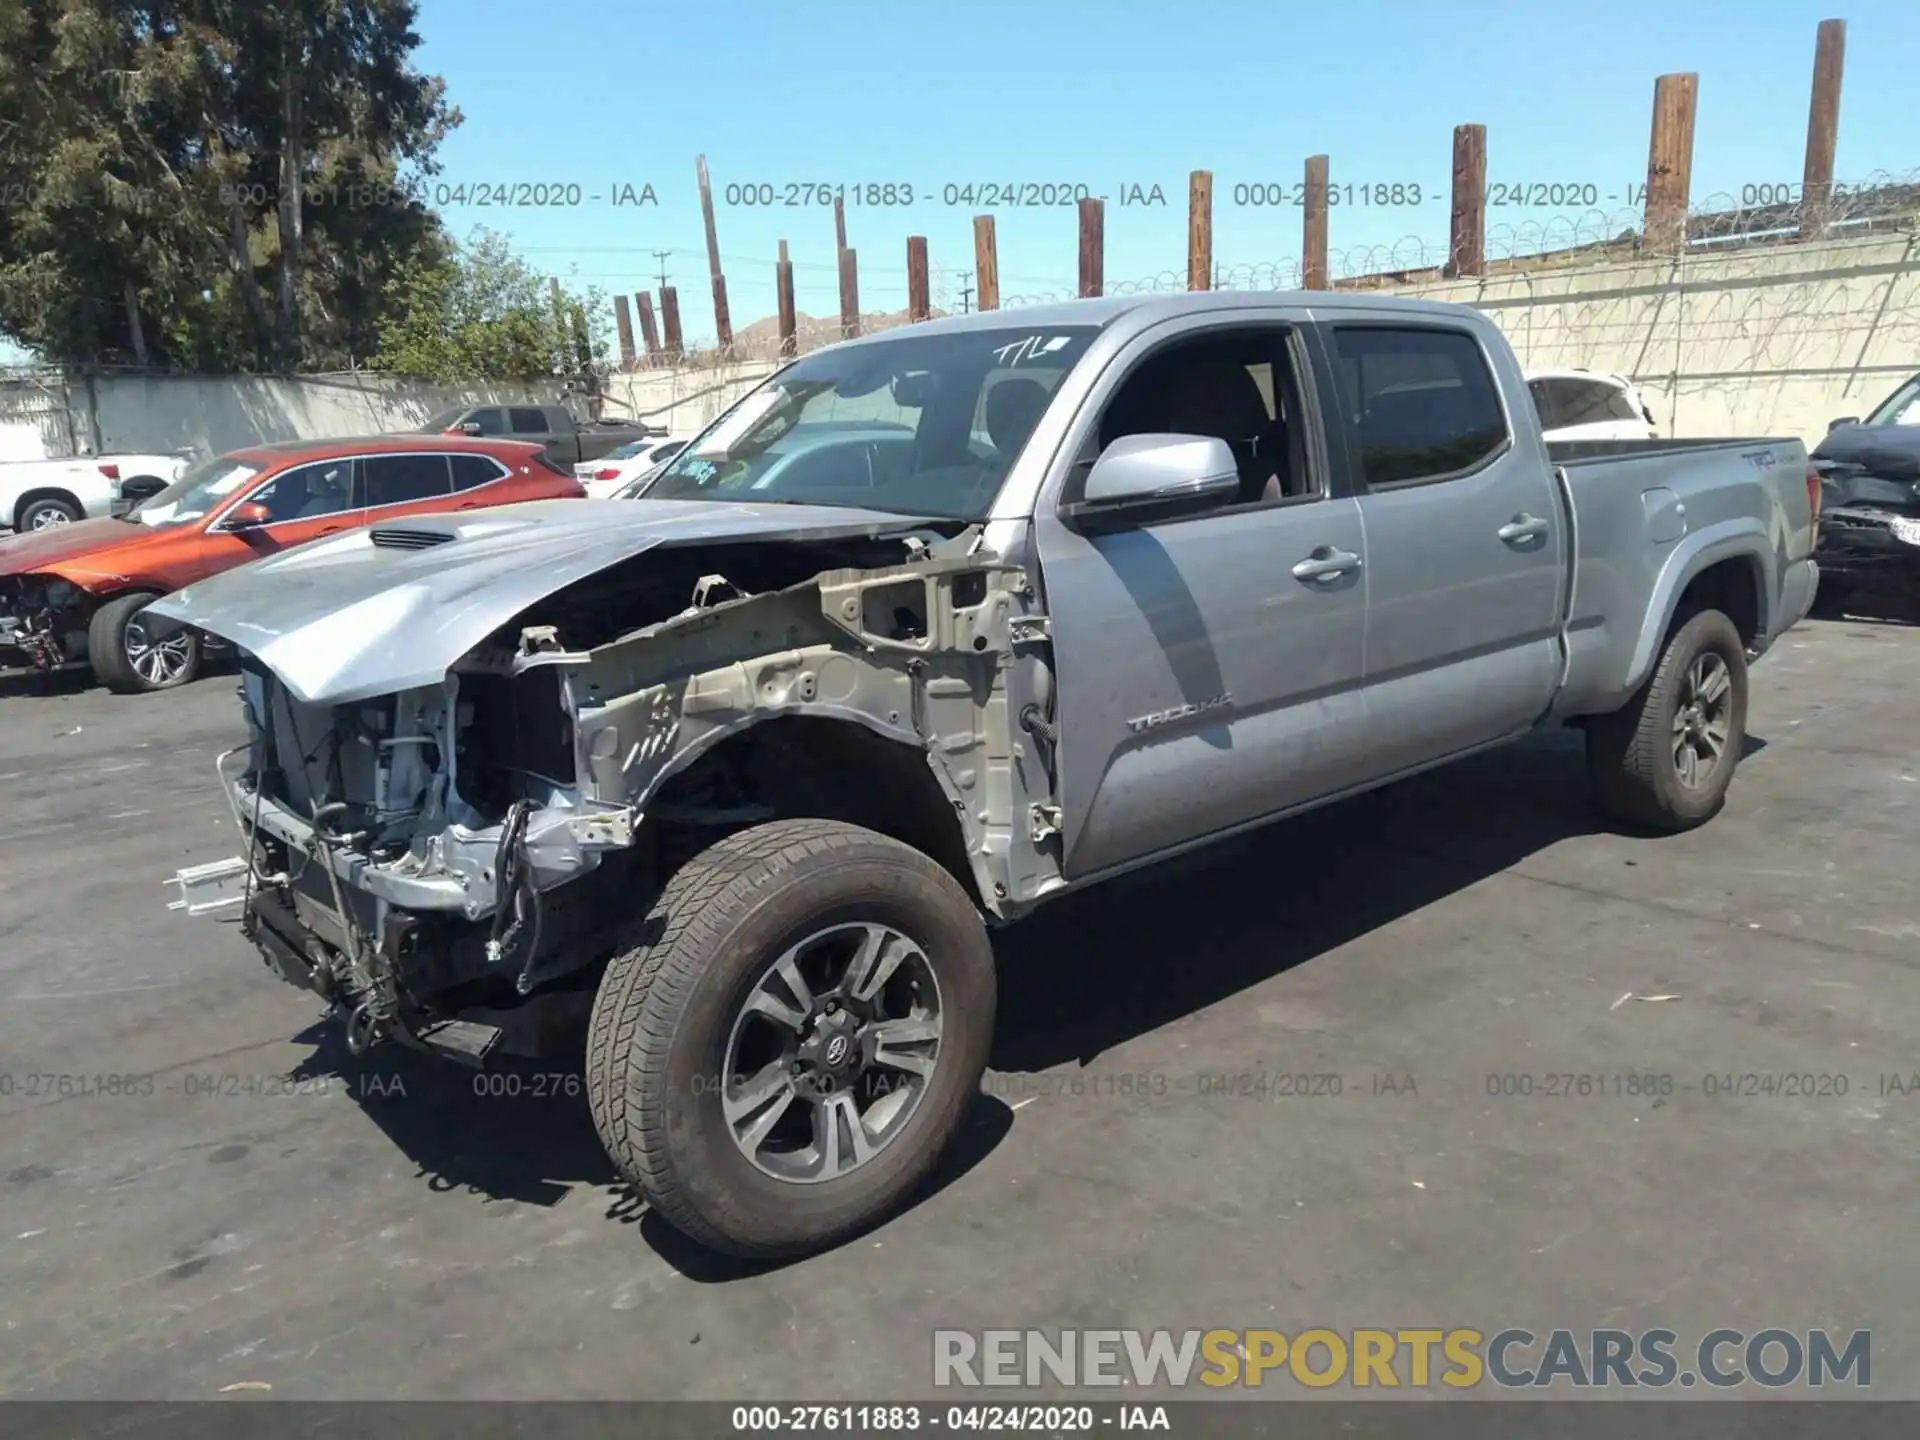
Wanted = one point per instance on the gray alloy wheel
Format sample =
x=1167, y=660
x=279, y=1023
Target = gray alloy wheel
x=831, y=1052
x=1702, y=720
x=159, y=662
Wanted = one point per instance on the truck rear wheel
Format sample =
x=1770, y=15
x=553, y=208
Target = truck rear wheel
x=1666, y=757
x=782, y=1058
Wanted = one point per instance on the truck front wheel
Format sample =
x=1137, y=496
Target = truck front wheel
x=782, y=1057
x=1666, y=757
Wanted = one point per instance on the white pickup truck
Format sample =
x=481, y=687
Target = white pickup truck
x=40, y=494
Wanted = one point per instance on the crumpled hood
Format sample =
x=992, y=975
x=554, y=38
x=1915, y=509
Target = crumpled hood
x=1889, y=451
x=345, y=618
x=83, y=548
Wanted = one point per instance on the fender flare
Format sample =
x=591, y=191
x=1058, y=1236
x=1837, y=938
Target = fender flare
x=1746, y=539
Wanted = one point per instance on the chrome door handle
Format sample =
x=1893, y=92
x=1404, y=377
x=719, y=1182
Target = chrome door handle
x=1522, y=527
x=1326, y=563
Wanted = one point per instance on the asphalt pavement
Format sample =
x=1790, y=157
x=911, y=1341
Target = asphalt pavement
x=1308, y=1079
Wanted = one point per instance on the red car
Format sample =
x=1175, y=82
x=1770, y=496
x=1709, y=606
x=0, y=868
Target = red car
x=72, y=595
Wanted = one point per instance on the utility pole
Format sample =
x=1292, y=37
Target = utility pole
x=661, y=257
x=966, y=292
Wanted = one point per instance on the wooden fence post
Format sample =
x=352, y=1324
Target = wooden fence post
x=1670, y=163
x=849, y=295
x=1313, y=227
x=722, y=321
x=919, y=297
x=649, y=335
x=1200, y=230
x=623, y=322
x=986, y=264
x=1467, y=234
x=783, y=289
x=1093, y=246
x=670, y=322
x=1823, y=129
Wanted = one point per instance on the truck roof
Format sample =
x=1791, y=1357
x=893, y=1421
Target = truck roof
x=1156, y=306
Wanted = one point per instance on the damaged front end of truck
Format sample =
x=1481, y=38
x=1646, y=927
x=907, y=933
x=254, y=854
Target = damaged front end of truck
x=478, y=747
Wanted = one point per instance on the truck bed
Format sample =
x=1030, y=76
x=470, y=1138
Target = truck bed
x=1645, y=514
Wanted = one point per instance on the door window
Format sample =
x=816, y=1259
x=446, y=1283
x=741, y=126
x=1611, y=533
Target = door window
x=1420, y=404
x=528, y=422
x=489, y=421
x=403, y=479
x=1235, y=385
x=307, y=492
x=473, y=470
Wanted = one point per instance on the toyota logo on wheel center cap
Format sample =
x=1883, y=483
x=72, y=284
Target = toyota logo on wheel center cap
x=836, y=1050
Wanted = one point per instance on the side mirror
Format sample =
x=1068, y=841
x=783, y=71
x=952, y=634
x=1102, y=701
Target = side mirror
x=469, y=427
x=250, y=515
x=1142, y=478
x=1833, y=425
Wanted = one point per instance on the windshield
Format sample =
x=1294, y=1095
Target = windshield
x=918, y=425
x=1900, y=408
x=195, y=493
x=629, y=451
x=445, y=420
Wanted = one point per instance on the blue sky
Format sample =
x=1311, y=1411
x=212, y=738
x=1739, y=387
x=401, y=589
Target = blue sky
x=601, y=94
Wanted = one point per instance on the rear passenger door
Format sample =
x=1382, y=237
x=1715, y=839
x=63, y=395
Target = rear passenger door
x=1466, y=550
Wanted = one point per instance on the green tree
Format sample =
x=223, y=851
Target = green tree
x=220, y=184
x=481, y=313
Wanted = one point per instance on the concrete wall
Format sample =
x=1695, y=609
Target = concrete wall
x=1764, y=341
x=213, y=414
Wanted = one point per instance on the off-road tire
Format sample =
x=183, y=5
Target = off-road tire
x=1630, y=752
x=107, y=648
x=657, y=1040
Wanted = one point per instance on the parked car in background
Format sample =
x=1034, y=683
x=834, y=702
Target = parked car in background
x=732, y=779
x=43, y=494
x=619, y=468
x=1870, y=514
x=73, y=595
x=1584, y=405
x=567, y=441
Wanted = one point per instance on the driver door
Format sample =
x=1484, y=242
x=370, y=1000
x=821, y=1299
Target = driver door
x=1209, y=668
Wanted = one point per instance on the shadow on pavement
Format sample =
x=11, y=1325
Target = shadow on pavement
x=1096, y=969
x=1085, y=974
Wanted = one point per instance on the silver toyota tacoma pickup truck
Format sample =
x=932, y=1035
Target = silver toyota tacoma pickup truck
x=928, y=629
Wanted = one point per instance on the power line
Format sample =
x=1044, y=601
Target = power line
x=661, y=257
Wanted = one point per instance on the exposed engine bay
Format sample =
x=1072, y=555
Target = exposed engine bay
x=434, y=861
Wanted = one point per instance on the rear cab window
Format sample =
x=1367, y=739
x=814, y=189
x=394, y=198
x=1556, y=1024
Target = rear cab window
x=1419, y=403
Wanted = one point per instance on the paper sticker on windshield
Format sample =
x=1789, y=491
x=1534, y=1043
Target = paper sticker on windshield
x=1031, y=348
